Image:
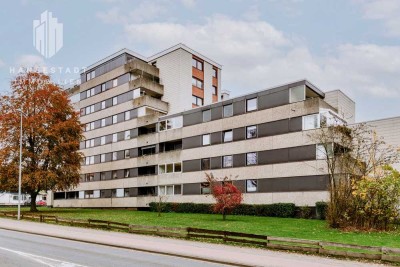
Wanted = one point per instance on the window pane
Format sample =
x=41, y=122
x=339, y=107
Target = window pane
x=207, y=115
x=170, y=189
x=251, y=158
x=120, y=192
x=162, y=190
x=310, y=122
x=227, y=161
x=126, y=173
x=251, y=186
x=114, y=137
x=102, y=140
x=228, y=110
x=205, y=164
x=161, y=169
x=127, y=135
x=206, y=139
x=228, y=136
x=114, y=119
x=115, y=82
x=114, y=156
x=297, y=93
x=127, y=153
x=178, y=189
x=252, y=104
x=178, y=167
x=162, y=126
x=205, y=188
x=170, y=168
x=251, y=132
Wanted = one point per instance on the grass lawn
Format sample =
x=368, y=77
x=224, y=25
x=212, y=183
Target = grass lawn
x=280, y=227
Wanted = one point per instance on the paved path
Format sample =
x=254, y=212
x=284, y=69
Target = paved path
x=188, y=249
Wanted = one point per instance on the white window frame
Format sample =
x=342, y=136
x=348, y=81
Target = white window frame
x=251, y=108
x=206, y=139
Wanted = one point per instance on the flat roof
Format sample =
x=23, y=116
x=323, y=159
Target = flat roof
x=153, y=57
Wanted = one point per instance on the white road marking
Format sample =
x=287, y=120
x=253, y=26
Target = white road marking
x=44, y=260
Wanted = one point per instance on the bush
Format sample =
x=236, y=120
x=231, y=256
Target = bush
x=284, y=210
x=321, y=208
x=305, y=212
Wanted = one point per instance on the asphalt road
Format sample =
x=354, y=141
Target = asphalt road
x=28, y=250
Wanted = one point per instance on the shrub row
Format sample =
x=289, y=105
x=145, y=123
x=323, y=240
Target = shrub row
x=284, y=210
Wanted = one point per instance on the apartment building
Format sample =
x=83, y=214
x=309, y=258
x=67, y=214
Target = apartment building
x=154, y=126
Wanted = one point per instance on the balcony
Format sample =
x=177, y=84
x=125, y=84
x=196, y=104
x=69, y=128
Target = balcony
x=141, y=68
x=151, y=102
x=149, y=86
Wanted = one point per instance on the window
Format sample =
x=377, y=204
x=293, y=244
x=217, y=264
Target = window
x=114, y=156
x=89, y=194
x=115, y=82
x=126, y=173
x=102, y=140
x=206, y=139
x=205, y=188
x=103, y=87
x=196, y=82
x=103, y=123
x=323, y=150
x=170, y=168
x=172, y=123
x=136, y=93
x=114, y=175
x=115, y=137
x=214, y=90
x=251, y=132
x=205, y=164
x=114, y=119
x=251, y=104
x=311, y=122
x=197, y=64
x=115, y=100
x=227, y=161
x=297, y=94
x=102, y=176
x=88, y=76
x=228, y=110
x=166, y=190
x=127, y=115
x=127, y=135
x=228, y=136
x=82, y=112
x=251, y=158
x=103, y=158
x=198, y=101
x=127, y=154
x=119, y=192
x=207, y=115
x=92, y=74
x=103, y=104
x=215, y=73
x=178, y=167
x=251, y=186
x=161, y=169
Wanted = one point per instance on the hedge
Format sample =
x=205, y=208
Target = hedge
x=321, y=208
x=284, y=210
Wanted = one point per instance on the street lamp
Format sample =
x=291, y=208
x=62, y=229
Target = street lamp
x=20, y=168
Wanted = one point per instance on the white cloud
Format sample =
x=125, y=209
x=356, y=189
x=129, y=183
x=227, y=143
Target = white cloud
x=28, y=61
x=386, y=11
x=256, y=55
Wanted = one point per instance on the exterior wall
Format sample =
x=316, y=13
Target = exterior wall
x=343, y=104
x=176, y=76
x=389, y=129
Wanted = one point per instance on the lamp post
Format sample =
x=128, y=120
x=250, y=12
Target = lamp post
x=20, y=169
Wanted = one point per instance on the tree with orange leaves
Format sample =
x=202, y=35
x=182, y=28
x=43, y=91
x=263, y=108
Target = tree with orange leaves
x=227, y=195
x=50, y=137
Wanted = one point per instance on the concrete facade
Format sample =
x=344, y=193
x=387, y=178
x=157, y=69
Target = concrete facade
x=144, y=137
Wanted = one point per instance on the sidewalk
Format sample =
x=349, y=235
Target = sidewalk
x=182, y=248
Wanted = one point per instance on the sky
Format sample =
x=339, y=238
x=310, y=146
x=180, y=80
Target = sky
x=351, y=45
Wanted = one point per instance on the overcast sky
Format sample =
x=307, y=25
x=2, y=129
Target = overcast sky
x=349, y=45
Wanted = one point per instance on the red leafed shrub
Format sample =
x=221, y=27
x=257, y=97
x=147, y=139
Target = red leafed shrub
x=226, y=194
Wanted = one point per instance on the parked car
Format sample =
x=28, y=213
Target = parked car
x=41, y=203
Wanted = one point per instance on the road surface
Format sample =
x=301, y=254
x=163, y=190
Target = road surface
x=28, y=250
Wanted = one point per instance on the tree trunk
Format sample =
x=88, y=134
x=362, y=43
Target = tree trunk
x=33, y=202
